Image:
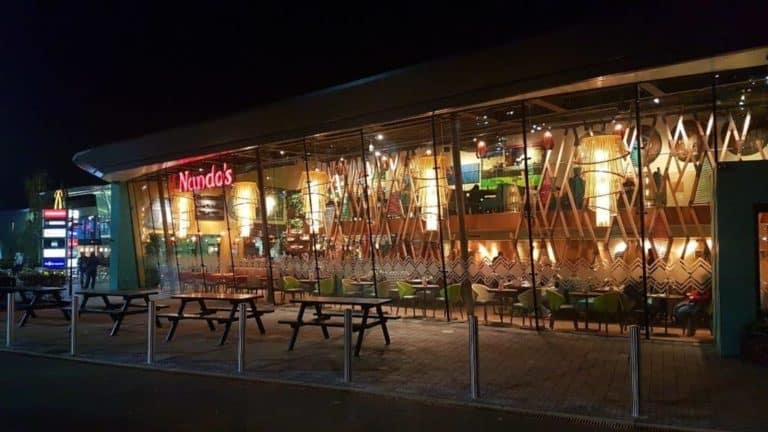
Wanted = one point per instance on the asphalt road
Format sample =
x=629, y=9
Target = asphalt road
x=60, y=395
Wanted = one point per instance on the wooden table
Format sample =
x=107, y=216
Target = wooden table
x=34, y=298
x=117, y=311
x=211, y=314
x=505, y=293
x=424, y=290
x=666, y=298
x=324, y=319
x=586, y=295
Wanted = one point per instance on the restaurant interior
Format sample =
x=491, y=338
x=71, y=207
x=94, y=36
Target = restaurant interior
x=567, y=211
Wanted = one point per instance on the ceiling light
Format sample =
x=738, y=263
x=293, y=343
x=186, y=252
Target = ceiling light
x=379, y=137
x=656, y=100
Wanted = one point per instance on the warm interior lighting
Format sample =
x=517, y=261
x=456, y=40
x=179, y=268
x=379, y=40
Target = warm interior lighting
x=429, y=183
x=313, y=192
x=183, y=213
x=601, y=159
x=271, y=202
x=244, y=197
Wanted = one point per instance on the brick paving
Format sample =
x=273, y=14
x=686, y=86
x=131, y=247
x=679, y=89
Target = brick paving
x=683, y=383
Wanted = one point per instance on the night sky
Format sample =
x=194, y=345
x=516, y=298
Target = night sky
x=74, y=77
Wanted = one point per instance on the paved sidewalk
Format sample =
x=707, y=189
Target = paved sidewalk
x=683, y=384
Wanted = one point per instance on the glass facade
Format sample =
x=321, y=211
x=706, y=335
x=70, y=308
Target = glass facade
x=550, y=211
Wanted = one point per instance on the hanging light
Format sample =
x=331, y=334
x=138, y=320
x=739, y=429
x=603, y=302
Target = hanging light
x=182, y=202
x=430, y=180
x=245, y=194
x=482, y=149
x=314, y=193
x=601, y=158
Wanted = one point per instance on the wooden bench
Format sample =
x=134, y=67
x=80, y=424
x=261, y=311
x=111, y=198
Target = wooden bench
x=358, y=314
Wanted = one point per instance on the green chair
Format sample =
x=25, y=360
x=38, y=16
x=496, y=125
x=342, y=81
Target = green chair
x=326, y=288
x=524, y=305
x=406, y=293
x=454, y=298
x=607, y=307
x=292, y=286
x=350, y=290
x=484, y=297
x=559, y=308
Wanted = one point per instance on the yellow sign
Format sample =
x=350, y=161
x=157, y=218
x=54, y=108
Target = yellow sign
x=58, y=200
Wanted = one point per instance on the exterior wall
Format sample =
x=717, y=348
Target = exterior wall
x=736, y=277
x=122, y=271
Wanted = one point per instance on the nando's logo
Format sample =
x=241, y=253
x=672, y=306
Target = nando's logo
x=197, y=181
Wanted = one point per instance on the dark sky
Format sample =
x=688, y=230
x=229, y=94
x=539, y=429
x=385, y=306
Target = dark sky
x=75, y=76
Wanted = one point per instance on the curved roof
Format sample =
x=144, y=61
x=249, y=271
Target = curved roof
x=569, y=60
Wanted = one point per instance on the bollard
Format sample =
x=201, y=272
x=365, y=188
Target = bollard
x=151, y=317
x=347, y=345
x=634, y=367
x=241, y=339
x=10, y=318
x=74, y=315
x=474, y=358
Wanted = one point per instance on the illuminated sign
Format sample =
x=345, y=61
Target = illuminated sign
x=55, y=214
x=54, y=253
x=60, y=233
x=55, y=263
x=215, y=177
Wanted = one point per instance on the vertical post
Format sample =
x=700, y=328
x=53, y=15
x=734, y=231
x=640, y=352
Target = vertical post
x=641, y=191
x=313, y=235
x=460, y=212
x=474, y=358
x=347, y=345
x=10, y=318
x=634, y=366
x=74, y=316
x=265, y=241
x=151, y=316
x=440, y=219
x=529, y=215
x=367, y=206
x=241, y=338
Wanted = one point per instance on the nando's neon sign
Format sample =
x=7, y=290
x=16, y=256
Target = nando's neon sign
x=197, y=181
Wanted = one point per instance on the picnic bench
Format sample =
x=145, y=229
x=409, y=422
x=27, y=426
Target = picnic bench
x=325, y=319
x=211, y=314
x=37, y=298
x=118, y=311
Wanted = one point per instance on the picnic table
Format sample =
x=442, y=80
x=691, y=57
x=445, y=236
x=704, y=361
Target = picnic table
x=117, y=311
x=36, y=298
x=211, y=314
x=325, y=319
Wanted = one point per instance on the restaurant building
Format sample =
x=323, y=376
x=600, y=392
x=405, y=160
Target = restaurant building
x=624, y=167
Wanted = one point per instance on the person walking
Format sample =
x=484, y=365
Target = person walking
x=91, y=267
x=82, y=264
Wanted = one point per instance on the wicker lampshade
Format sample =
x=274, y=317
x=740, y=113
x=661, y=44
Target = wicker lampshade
x=244, y=198
x=601, y=158
x=314, y=192
x=183, y=213
x=429, y=175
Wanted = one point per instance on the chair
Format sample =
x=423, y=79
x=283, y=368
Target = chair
x=325, y=288
x=406, y=292
x=484, y=297
x=389, y=288
x=559, y=308
x=524, y=305
x=291, y=285
x=454, y=298
x=348, y=289
x=605, y=307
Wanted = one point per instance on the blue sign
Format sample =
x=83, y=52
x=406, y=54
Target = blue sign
x=55, y=263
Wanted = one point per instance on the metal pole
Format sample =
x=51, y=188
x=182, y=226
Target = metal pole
x=634, y=366
x=529, y=215
x=347, y=345
x=440, y=220
x=641, y=191
x=74, y=313
x=10, y=318
x=151, y=316
x=474, y=358
x=265, y=241
x=366, y=200
x=241, y=338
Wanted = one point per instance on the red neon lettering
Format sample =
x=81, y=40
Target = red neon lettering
x=215, y=178
x=54, y=214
